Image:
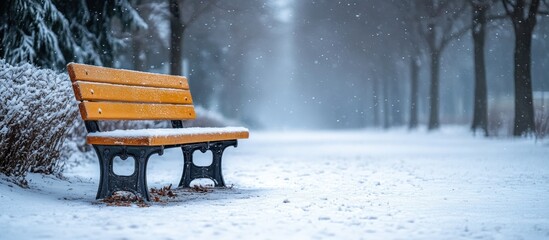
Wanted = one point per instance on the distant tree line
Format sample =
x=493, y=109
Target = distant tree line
x=385, y=43
x=442, y=15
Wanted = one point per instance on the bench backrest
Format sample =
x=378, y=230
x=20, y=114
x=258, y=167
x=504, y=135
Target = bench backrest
x=116, y=94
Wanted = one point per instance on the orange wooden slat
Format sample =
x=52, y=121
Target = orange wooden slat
x=91, y=91
x=135, y=111
x=166, y=140
x=83, y=72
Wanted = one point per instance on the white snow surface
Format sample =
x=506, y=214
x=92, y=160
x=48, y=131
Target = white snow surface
x=361, y=184
x=165, y=132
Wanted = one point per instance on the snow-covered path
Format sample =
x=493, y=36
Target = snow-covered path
x=313, y=185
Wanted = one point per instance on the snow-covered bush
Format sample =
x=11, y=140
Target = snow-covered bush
x=37, y=110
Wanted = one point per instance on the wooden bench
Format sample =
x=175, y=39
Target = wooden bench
x=115, y=94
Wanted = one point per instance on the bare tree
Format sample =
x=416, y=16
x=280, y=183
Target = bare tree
x=480, y=9
x=434, y=23
x=522, y=14
x=156, y=15
x=415, y=49
x=375, y=101
x=414, y=89
x=385, y=108
x=183, y=14
x=440, y=26
x=246, y=17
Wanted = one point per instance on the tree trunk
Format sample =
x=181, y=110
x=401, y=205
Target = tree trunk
x=176, y=39
x=375, y=96
x=524, y=108
x=397, y=113
x=434, y=98
x=138, y=58
x=435, y=68
x=414, y=88
x=480, y=105
x=386, y=114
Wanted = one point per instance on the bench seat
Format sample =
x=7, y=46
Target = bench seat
x=166, y=136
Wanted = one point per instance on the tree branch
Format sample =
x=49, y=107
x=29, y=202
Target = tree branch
x=496, y=17
x=454, y=36
x=519, y=8
x=461, y=10
x=197, y=13
x=534, y=7
x=449, y=33
x=442, y=6
x=508, y=5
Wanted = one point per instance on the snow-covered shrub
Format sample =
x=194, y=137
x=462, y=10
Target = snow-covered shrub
x=37, y=110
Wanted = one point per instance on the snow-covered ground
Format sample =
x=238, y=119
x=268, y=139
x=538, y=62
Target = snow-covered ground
x=313, y=185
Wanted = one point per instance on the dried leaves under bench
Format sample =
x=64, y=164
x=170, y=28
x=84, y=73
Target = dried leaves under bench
x=159, y=195
x=124, y=200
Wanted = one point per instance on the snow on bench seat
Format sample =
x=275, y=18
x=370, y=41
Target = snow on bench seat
x=166, y=136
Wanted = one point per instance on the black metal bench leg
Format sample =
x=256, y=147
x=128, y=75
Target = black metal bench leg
x=217, y=149
x=187, y=165
x=213, y=172
x=102, y=191
x=136, y=183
